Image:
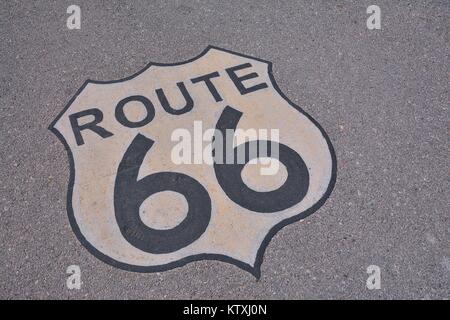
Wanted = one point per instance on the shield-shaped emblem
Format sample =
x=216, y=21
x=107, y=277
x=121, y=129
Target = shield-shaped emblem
x=155, y=182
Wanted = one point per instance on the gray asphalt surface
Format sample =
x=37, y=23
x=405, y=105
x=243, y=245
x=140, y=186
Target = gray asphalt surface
x=382, y=96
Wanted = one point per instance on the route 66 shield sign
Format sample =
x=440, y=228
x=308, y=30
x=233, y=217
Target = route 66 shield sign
x=148, y=191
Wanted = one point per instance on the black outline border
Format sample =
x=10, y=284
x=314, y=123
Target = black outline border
x=254, y=270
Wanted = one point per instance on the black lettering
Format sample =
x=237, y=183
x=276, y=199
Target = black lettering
x=120, y=115
x=93, y=125
x=166, y=105
x=237, y=80
x=229, y=175
x=207, y=79
x=130, y=193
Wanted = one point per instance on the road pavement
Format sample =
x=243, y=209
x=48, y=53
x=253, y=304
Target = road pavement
x=381, y=95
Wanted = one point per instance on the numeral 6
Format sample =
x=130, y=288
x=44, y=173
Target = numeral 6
x=130, y=193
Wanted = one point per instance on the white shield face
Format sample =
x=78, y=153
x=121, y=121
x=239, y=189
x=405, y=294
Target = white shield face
x=150, y=191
